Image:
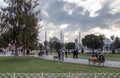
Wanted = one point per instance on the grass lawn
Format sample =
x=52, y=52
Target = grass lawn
x=113, y=57
x=36, y=65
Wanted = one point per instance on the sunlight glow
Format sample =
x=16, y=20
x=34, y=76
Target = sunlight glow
x=63, y=26
x=107, y=32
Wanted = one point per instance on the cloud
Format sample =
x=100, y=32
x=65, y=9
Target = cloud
x=64, y=26
x=2, y=4
x=80, y=15
x=115, y=7
x=86, y=16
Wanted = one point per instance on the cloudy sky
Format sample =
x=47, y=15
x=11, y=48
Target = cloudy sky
x=72, y=16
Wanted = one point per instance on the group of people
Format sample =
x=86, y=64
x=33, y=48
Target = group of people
x=2, y=51
x=21, y=52
x=98, y=56
x=64, y=52
x=61, y=54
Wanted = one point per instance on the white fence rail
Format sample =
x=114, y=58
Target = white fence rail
x=59, y=75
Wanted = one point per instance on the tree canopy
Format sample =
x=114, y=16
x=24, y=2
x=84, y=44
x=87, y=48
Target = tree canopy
x=19, y=21
x=55, y=45
x=93, y=42
x=70, y=45
x=116, y=43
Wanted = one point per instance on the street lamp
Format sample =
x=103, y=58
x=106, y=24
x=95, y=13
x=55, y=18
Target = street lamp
x=93, y=44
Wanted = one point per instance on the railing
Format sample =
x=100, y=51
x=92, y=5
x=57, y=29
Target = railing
x=59, y=75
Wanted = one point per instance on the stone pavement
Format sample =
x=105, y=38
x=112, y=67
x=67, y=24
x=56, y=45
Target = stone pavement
x=115, y=64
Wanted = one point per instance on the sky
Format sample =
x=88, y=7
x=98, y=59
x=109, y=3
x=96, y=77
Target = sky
x=74, y=16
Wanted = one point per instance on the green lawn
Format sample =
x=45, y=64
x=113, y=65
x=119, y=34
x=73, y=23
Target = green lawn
x=113, y=57
x=36, y=65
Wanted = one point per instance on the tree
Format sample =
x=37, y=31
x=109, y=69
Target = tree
x=93, y=42
x=22, y=21
x=70, y=45
x=57, y=46
x=51, y=45
x=45, y=44
x=40, y=46
x=112, y=37
x=101, y=37
x=116, y=44
x=4, y=39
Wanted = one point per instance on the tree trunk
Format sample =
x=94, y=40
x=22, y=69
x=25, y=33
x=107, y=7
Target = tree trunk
x=16, y=53
x=92, y=50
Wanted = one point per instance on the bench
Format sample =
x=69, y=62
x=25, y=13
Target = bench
x=96, y=60
x=31, y=54
x=55, y=57
x=40, y=53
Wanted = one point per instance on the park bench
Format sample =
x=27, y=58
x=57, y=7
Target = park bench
x=40, y=53
x=55, y=57
x=96, y=60
x=31, y=54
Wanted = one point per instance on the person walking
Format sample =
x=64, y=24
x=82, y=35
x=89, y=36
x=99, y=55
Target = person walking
x=62, y=55
x=59, y=55
x=73, y=54
x=66, y=52
x=46, y=52
x=76, y=53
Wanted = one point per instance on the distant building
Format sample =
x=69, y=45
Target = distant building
x=54, y=39
x=107, y=43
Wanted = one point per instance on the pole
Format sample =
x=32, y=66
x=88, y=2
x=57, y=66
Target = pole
x=45, y=39
x=13, y=75
x=61, y=40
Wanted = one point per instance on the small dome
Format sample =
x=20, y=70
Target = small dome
x=55, y=39
x=107, y=41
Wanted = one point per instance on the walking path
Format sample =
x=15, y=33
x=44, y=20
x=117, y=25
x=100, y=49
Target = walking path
x=115, y=64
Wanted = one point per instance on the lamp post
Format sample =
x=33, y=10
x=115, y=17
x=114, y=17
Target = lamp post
x=50, y=48
x=93, y=44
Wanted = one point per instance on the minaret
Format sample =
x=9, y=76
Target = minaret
x=45, y=40
x=79, y=38
x=45, y=35
x=61, y=39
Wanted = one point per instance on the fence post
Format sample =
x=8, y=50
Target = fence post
x=13, y=75
x=95, y=75
x=69, y=75
x=42, y=75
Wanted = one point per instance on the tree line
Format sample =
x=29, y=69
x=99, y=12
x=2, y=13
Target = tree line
x=91, y=41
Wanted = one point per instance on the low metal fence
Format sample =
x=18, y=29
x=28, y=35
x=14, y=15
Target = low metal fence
x=59, y=75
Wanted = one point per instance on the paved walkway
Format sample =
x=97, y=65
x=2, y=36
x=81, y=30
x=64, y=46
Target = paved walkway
x=115, y=64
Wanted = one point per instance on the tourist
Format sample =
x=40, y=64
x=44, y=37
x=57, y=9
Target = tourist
x=66, y=52
x=46, y=52
x=75, y=54
x=102, y=57
x=82, y=50
x=27, y=51
x=62, y=55
x=59, y=54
